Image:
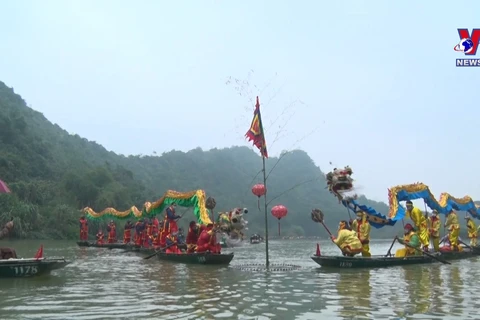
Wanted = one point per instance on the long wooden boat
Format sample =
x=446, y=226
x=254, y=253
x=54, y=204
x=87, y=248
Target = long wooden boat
x=118, y=245
x=23, y=268
x=197, y=258
x=384, y=262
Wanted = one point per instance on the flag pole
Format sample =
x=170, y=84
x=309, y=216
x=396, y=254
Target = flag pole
x=267, y=261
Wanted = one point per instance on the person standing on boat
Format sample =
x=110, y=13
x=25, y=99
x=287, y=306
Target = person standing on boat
x=156, y=224
x=453, y=230
x=347, y=240
x=100, y=237
x=192, y=237
x=171, y=219
x=362, y=227
x=434, y=228
x=127, y=232
x=83, y=229
x=420, y=222
x=411, y=238
x=472, y=231
x=112, y=232
x=138, y=232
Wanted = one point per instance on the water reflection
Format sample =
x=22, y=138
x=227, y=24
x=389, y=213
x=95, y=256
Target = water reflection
x=418, y=288
x=354, y=289
x=456, y=285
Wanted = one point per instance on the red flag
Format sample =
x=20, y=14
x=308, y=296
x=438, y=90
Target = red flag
x=255, y=133
x=39, y=254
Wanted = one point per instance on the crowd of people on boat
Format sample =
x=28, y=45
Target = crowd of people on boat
x=162, y=235
x=354, y=236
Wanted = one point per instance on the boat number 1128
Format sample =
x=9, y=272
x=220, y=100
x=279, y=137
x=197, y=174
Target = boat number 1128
x=345, y=264
x=24, y=270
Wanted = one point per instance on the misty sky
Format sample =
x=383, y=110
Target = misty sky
x=370, y=84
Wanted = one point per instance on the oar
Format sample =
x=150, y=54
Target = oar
x=427, y=254
x=466, y=245
x=317, y=216
x=389, y=252
x=160, y=250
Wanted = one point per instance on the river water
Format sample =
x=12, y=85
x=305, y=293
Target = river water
x=112, y=284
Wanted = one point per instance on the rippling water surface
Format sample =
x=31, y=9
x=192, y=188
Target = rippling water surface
x=112, y=284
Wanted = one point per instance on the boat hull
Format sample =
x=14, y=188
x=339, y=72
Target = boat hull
x=117, y=245
x=197, y=258
x=26, y=268
x=385, y=262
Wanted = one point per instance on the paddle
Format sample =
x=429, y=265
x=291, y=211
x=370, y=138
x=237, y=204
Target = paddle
x=160, y=250
x=426, y=253
x=389, y=252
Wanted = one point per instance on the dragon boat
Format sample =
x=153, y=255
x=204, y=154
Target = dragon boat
x=117, y=245
x=340, y=183
x=229, y=223
x=384, y=262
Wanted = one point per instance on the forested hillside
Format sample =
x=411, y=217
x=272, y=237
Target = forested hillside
x=53, y=174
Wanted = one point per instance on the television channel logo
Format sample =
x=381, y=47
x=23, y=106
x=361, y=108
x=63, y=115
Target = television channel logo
x=468, y=45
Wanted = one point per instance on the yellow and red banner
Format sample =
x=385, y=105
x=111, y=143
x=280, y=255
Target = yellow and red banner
x=255, y=133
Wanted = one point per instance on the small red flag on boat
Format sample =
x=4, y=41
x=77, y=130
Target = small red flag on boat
x=39, y=254
x=3, y=187
x=318, y=250
x=255, y=133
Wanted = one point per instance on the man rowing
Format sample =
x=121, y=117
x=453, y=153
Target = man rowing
x=420, y=222
x=434, y=230
x=347, y=240
x=411, y=238
x=453, y=230
x=472, y=231
x=362, y=227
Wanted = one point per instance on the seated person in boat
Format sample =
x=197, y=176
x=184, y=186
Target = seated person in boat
x=207, y=241
x=181, y=240
x=149, y=228
x=83, y=229
x=453, y=231
x=472, y=231
x=192, y=237
x=156, y=243
x=420, y=222
x=127, y=232
x=112, y=232
x=100, y=237
x=172, y=242
x=139, y=227
x=362, y=227
x=434, y=230
x=347, y=240
x=171, y=218
x=411, y=238
x=7, y=253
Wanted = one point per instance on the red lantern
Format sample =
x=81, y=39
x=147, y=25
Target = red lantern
x=258, y=190
x=279, y=212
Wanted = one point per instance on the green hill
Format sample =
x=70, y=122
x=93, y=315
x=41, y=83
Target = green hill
x=53, y=174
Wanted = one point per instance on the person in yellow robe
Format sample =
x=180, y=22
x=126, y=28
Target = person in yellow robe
x=420, y=222
x=347, y=240
x=362, y=227
x=410, y=237
x=434, y=230
x=453, y=230
x=472, y=231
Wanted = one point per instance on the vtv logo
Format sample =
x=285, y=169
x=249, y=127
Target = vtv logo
x=474, y=36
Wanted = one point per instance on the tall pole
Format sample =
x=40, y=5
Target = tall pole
x=267, y=261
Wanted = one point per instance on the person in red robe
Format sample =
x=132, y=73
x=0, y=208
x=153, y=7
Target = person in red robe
x=138, y=233
x=170, y=225
x=83, y=229
x=207, y=241
x=112, y=232
x=127, y=232
x=156, y=224
x=156, y=240
x=192, y=237
x=100, y=237
x=171, y=242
